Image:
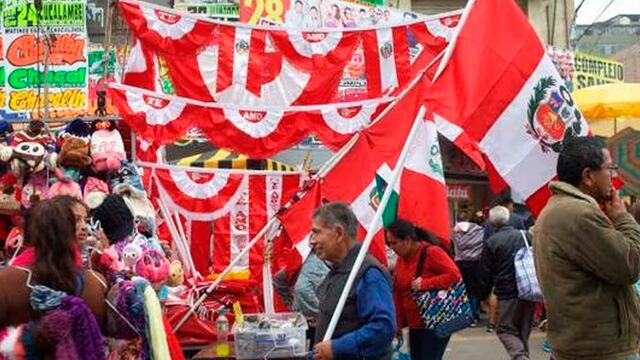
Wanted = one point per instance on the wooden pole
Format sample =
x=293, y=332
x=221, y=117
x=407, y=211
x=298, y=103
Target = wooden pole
x=107, y=43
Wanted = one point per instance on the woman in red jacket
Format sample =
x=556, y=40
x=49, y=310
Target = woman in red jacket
x=439, y=272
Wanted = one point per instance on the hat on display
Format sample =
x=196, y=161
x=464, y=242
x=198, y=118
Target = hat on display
x=115, y=218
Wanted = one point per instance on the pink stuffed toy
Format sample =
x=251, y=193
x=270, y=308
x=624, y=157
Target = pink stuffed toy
x=95, y=190
x=107, y=148
x=153, y=266
x=70, y=188
x=110, y=261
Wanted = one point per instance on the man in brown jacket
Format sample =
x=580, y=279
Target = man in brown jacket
x=588, y=259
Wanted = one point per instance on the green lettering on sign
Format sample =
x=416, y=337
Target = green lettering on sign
x=31, y=78
x=53, y=14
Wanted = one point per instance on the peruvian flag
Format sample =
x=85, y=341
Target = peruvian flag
x=420, y=195
x=374, y=154
x=501, y=100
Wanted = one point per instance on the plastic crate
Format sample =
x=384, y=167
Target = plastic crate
x=284, y=337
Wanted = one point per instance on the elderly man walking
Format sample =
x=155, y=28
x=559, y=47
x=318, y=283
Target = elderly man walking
x=497, y=269
x=367, y=324
x=587, y=254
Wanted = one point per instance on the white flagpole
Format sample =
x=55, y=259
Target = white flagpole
x=374, y=225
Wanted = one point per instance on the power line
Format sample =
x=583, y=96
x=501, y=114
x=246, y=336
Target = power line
x=595, y=21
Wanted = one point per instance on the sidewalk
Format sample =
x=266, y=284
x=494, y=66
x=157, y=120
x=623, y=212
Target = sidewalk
x=476, y=344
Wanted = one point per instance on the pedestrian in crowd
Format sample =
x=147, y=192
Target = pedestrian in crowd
x=367, y=324
x=115, y=218
x=438, y=272
x=80, y=213
x=468, y=241
x=54, y=280
x=497, y=271
x=298, y=291
x=516, y=221
x=587, y=254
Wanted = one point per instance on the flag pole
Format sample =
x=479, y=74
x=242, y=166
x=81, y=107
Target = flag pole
x=374, y=225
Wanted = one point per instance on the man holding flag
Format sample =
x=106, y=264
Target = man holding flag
x=367, y=324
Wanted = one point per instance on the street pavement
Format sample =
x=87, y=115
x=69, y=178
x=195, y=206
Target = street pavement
x=477, y=344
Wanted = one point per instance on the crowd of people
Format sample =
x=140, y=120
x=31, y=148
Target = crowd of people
x=69, y=290
x=587, y=261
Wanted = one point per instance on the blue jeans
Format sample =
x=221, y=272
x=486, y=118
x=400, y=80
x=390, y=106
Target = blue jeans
x=426, y=346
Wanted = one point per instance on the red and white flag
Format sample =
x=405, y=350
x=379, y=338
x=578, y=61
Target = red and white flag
x=502, y=101
x=375, y=153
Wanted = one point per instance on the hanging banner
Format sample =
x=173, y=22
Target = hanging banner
x=593, y=70
x=60, y=26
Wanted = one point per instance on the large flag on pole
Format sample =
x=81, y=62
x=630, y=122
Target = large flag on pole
x=421, y=194
x=374, y=155
x=501, y=100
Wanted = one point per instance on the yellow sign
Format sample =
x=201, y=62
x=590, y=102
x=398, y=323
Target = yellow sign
x=27, y=100
x=593, y=70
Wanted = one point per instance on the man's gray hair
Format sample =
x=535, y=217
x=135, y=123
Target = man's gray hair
x=499, y=216
x=337, y=214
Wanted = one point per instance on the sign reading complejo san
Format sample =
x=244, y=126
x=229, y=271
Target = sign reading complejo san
x=593, y=70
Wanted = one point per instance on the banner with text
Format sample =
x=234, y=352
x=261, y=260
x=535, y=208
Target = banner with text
x=220, y=10
x=593, y=70
x=61, y=26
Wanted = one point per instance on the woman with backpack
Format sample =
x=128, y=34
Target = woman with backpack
x=51, y=305
x=411, y=243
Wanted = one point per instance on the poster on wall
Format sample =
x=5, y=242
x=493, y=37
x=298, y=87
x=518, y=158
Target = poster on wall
x=60, y=25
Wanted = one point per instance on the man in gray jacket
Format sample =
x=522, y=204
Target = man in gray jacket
x=587, y=254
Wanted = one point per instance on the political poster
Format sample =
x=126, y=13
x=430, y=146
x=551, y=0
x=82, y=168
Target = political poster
x=60, y=27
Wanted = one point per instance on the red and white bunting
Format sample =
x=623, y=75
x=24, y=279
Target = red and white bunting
x=197, y=195
x=155, y=118
x=257, y=132
x=213, y=61
x=165, y=29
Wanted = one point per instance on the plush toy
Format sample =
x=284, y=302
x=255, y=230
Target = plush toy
x=10, y=195
x=70, y=188
x=74, y=153
x=107, y=148
x=14, y=241
x=35, y=132
x=34, y=189
x=153, y=266
x=110, y=261
x=127, y=179
x=6, y=132
x=131, y=254
x=176, y=274
x=95, y=190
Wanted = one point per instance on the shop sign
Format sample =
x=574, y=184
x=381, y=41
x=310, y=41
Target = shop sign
x=593, y=70
x=459, y=192
x=61, y=27
x=219, y=11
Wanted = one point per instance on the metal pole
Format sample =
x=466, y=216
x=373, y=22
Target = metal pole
x=47, y=44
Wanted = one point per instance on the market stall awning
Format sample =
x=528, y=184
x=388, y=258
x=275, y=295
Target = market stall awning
x=625, y=151
x=609, y=101
x=203, y=154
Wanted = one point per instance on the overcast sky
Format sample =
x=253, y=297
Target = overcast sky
x=592, y=8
